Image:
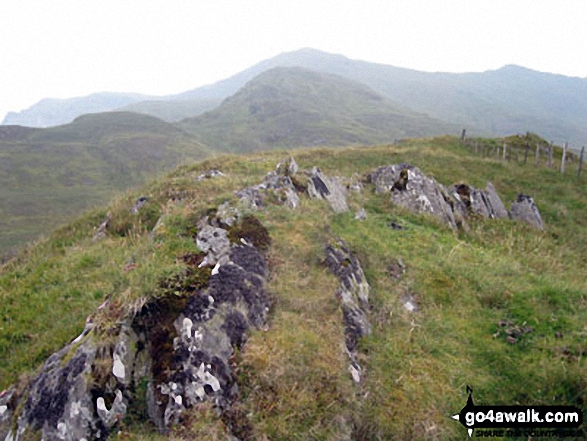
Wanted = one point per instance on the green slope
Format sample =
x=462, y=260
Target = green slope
x=172, y=111
x=293, y=377
x=49, y=175
x=292, y=107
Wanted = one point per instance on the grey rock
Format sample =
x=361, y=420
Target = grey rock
x=485, y=203
x=277, y=185
x=411, y=189
x=361, y=214
x=138, y=204
x=331, y=189
x=214, y=242
x=525, y=209
x=355, y=184
x=287, y=167
x=101, y=231
x=213, y=173
x=497, y=206
x=59, y=401
x=354, y=295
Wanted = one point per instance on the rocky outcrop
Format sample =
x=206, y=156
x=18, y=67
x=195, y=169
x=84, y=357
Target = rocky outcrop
x=354, y=296
x=525, y=209
x=331, y=189
x=275, y=186
x=413, y=190
x=171, y=353
x=485, y=203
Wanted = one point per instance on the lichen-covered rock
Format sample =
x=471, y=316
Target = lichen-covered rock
x=413, y=190
x=499, y=210
x=214, y=242
x=354, y=295
x=287, y=167
x=525, y=209
x=361, y=215
x=213, y=173
x=485, y=203
x=321, y=186
x=276, y=185
x=170, y=354
x=410, y=188
x=58, y=403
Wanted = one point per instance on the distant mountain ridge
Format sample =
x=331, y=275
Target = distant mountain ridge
x=498, y=102
x=293, y=107
x=53, y=112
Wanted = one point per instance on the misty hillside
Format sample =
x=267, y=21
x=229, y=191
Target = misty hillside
x=292, y=107
x=53, y=112
x=48, y=175
x=173, y=110
x=508, y=100
x=256, y=297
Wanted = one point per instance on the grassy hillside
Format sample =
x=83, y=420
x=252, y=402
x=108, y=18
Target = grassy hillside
x=291, y=107
x=172, y=111
x=469, y=287
x=49, y=175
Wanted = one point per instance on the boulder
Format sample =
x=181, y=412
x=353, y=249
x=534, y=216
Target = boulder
x=485, y=203
x=331, y=189
x=525, y=209
x=411, y=189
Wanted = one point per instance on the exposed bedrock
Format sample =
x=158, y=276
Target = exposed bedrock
x=171, y=354
x=353, y=293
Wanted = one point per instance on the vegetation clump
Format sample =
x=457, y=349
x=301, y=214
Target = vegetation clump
x=250, y=229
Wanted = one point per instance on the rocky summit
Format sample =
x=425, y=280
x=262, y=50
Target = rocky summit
x=252, y=299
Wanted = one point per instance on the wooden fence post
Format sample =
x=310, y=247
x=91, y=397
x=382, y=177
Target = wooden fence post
x=526, y=153
x=580, y=162
x=537, y=154
x=550, y=155
x=463, y=134
x=565, y=145
x=505, y=146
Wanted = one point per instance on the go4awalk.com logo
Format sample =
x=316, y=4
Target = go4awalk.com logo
x=526, y=421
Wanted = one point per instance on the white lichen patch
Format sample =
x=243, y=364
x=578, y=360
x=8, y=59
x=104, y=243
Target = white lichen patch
x=186, y=330
x=61, y=430
x=3, y=409
x=425, y=203
x=101, y=404
x=355, y=373
x=118, y=367
x=208, y=378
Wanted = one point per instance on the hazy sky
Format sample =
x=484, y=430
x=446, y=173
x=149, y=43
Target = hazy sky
x=65, y=48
